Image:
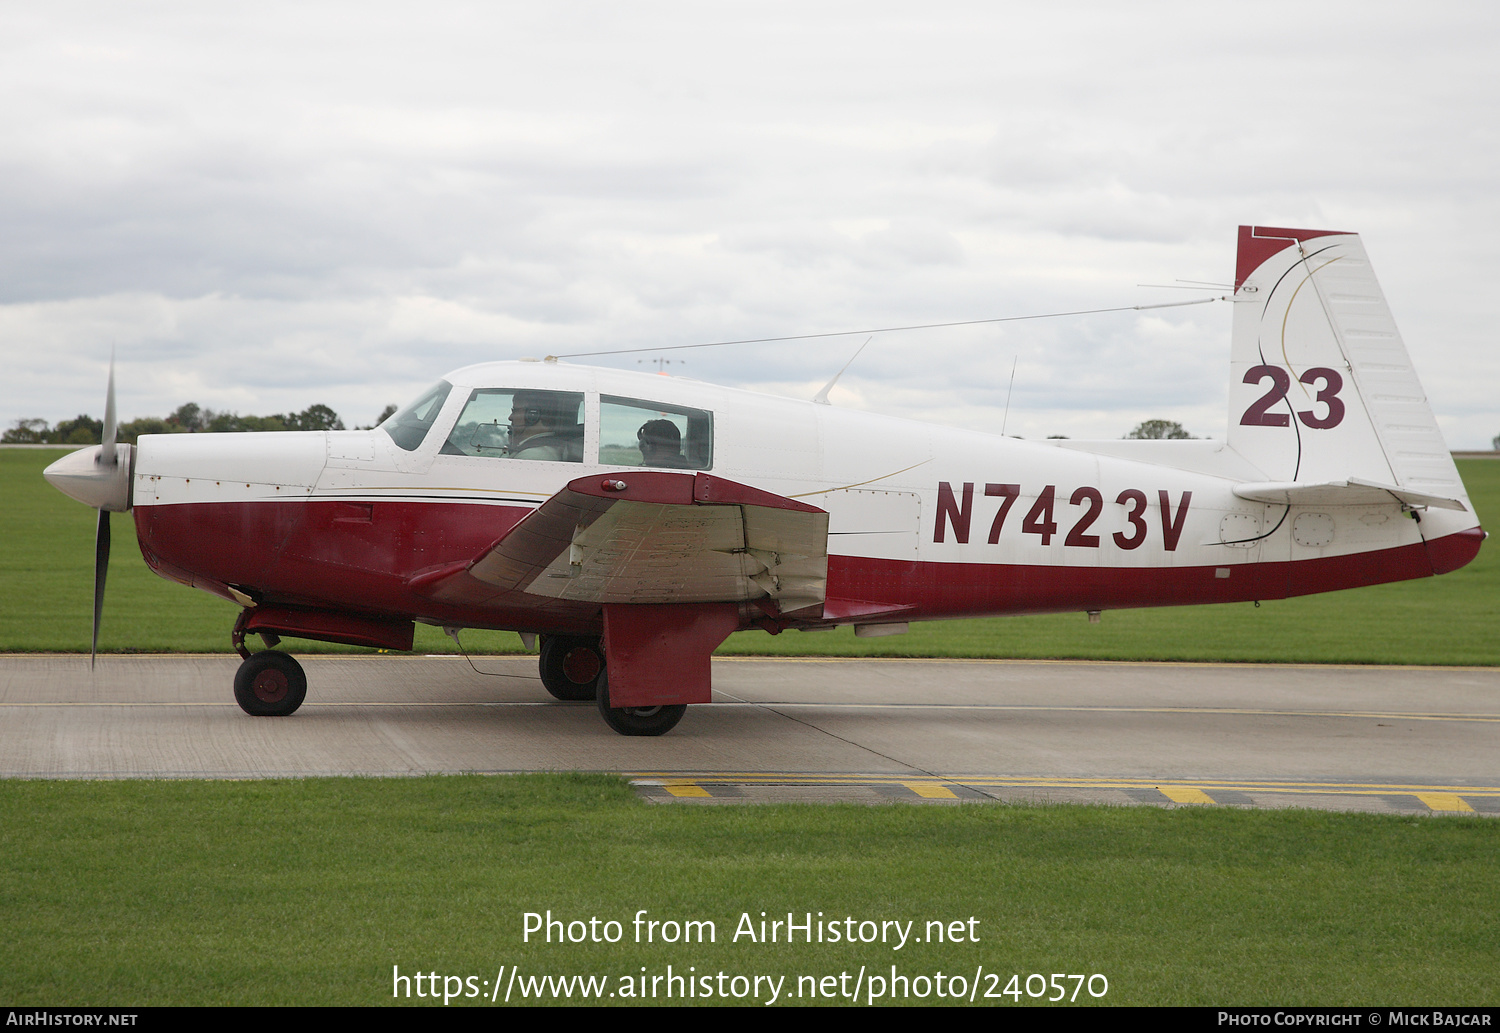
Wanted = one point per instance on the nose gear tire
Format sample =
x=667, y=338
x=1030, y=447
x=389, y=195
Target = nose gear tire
x=270, y=684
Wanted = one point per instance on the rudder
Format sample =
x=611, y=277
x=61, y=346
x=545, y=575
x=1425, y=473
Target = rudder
x=1322, y=388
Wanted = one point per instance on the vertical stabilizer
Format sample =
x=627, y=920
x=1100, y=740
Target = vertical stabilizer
x=1321, y=386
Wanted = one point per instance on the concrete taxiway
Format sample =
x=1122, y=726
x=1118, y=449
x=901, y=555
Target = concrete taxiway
x=1393, y=739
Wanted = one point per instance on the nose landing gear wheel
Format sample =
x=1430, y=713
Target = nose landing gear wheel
x=637, y=720
x=570, y=667
x=270, y=684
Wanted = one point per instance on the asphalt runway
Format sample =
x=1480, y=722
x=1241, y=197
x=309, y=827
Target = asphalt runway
x=1387, y=739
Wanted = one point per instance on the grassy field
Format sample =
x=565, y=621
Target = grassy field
x=46, y=584
x=309, y=892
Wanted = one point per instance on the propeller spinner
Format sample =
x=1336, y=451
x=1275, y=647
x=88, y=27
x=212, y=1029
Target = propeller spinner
x=100, y=477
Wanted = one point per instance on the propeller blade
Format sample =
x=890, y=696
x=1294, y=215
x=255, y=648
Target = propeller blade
x=107, y=453
x=101, y=568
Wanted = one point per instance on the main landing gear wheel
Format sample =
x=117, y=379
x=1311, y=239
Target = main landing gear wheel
x=637, y=720
x=571, y=667
x=270, y=684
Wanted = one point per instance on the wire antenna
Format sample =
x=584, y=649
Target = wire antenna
x=882, y=329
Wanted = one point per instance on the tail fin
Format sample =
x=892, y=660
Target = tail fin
x=1321, y=387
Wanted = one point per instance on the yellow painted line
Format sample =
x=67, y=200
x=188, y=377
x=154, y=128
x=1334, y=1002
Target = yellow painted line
x=1444, y=801
x=1080, y=782
x=494, y=704
x=931, y=790
x=1012, y=661
x=685, y=789
x=386, y=493
x=872, y=480
x=1388, y=715
x=231, y=704
x=772, y=659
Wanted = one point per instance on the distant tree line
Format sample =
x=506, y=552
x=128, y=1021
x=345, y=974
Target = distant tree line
x=1160, y=430
x=187, y=419
x=84, y=430
x=191, y=419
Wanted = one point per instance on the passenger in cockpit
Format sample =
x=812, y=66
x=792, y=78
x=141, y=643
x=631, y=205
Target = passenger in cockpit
x=661, y=445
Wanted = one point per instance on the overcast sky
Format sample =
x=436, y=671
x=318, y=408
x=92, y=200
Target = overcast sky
x=266, y=206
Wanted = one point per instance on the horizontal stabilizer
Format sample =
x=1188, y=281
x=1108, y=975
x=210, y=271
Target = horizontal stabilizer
x=653, y=538
x=1352, y=492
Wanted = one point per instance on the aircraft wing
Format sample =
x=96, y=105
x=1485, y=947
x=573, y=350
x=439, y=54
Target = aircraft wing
x=1352, y=492
x=648, y=537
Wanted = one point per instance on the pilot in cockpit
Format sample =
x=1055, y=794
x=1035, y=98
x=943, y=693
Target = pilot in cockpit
x=536, y=430
x=661, y=445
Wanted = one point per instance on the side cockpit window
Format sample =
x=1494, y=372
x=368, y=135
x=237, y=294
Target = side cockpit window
x=635, y=432
x=408, y=426
x=511, y=424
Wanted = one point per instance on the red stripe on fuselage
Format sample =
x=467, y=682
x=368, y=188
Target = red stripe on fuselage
x=360, y=558
x=1455, y=550
x=947, y=590
x=336, y=555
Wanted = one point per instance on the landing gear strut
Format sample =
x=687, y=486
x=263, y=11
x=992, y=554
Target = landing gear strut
x=270, y=684
x=571, y=667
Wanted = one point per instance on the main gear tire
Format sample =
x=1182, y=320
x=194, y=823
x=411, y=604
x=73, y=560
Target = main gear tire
x=637, y=720
x=571, y=667
x=270, y=684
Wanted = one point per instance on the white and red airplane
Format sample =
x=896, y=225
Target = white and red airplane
x=634, y=521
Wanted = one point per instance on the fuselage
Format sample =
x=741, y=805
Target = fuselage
x=925, y=522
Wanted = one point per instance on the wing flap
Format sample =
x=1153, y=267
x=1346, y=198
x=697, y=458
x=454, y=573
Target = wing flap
x=654, y=538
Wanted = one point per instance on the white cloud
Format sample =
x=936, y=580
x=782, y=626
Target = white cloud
x=337, y=202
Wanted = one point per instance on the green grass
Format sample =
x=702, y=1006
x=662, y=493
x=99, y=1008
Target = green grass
x=46, y=563
x=308, y=892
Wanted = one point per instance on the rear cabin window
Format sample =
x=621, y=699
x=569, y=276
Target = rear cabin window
x=635, y=432
x=510, y=424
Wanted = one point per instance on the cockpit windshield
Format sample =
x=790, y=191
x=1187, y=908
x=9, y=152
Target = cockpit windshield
x=408, y=426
